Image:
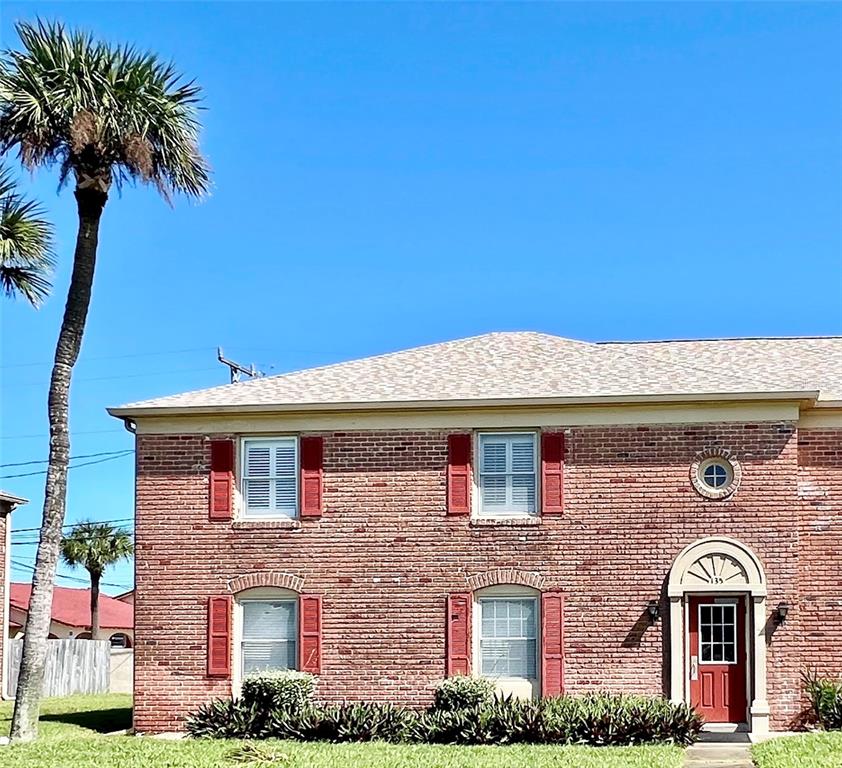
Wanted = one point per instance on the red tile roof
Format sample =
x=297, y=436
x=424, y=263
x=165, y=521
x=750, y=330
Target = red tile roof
x=73, y=607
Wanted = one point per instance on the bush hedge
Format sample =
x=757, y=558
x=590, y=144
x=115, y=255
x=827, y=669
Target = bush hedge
x=462, y=692
x=597, y=719
x=825, y=700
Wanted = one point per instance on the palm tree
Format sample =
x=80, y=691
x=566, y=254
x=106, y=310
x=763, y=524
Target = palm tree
x=104, y=115
x=95, y=546
x=26, y=244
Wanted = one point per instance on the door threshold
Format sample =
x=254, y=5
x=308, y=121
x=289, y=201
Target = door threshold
x=725, y=728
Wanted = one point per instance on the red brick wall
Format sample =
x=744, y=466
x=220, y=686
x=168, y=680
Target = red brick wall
x=385, y=555
x=819, y=599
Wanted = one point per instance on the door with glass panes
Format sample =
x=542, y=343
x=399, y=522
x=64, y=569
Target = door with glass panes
x=718, y=658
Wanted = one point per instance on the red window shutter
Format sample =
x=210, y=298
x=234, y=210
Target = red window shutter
x=221, y=504
x=310, y=633
x=552, y=473
x=458, y=474
x=219, y=636
x=459, y=633
x=552, y=643
x=312, y=472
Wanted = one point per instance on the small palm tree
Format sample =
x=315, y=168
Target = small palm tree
x=26, y=244
x=103, y=115
x=95, y=546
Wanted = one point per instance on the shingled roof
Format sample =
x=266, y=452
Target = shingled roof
x=526, y=366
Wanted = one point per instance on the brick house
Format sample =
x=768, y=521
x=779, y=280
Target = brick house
x=8, y=502
x=661, y=518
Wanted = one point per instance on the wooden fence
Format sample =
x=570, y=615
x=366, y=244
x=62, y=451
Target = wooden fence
x=73, y=666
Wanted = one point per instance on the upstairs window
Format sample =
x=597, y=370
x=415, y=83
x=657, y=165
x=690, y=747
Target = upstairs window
x=270, y=478
x=507, y=474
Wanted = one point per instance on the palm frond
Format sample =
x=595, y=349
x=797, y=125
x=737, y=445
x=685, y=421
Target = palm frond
x=26, y=245
x=95, y=546
x=100, y=111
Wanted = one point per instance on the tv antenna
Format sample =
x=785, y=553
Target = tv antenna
x=236, y=370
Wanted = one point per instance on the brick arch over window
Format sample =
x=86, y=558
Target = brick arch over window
x=506, y=576
x=267, y=579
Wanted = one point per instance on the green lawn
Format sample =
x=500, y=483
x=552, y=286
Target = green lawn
x=72, y=737
x=810, y=750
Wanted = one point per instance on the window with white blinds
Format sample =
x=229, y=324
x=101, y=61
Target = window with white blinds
x=508, y=638
x=270, y=477
x=270, y=635
x=507, y=474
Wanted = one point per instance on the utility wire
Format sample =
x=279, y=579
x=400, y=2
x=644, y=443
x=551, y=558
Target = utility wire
x=74, y=466
x=70, y=525
x=20, y=566
x=122, y=376
x=118, y=357
x=72, y=434
x=71, y=458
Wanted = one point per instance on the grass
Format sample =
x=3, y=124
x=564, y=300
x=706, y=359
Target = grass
x=72, y=736
x=77, y=716
x=809, y=750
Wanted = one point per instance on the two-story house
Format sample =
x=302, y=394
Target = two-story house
x=552, y=514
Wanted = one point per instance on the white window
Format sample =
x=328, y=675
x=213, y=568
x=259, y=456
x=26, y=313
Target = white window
x=508, y=645
x=270, y=477
x=269, y=634
x=507, y=474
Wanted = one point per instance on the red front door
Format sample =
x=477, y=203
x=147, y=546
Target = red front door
x=718, y=658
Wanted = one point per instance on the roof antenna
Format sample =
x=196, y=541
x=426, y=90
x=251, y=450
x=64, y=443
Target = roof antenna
x=236, y=369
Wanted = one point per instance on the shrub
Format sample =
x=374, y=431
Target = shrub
x=597, y=719
x=825, y=700
x=225, y=719
x=283, y=688
x=461, y=692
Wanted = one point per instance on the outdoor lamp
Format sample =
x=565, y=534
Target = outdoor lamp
x=653, y=610
x=780, y=613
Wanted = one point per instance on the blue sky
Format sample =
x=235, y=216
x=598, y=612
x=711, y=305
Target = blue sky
x=388, y=175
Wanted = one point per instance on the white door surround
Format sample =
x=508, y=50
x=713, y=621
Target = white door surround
x=718, y=565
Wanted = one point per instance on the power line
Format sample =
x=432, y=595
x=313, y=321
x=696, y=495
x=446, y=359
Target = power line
x=120, y=376
x=71, y=458
x=74, y=466
x=70, y=525
x=117, y=357
x=19, y=565
x=29, y=542
x=72, y=434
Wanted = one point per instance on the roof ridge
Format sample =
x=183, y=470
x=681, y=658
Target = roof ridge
x=712, y=339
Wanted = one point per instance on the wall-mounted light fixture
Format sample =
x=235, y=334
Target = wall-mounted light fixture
x=653, y=610
x=781, y=613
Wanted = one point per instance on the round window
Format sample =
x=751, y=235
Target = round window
x=715, y=474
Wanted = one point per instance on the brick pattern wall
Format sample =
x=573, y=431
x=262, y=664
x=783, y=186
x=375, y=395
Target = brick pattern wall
x=385, y=555
x=818, y=602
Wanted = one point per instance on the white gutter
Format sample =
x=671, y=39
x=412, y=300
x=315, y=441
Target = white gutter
x=129, y=411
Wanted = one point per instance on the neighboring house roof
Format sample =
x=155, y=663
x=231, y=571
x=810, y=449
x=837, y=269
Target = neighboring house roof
x=12, y=500
x=73, y=607
x=526, y=366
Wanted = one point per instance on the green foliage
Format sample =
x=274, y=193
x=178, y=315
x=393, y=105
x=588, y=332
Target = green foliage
x=825, y=699
x=26, y=244
x=95, y=546
x=462, y=692
x=101, y=112
x=596, y=719
x=822, y=749
x=287, y=689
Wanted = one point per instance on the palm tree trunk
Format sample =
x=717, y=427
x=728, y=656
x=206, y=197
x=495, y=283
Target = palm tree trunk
x=90, y=203
x=95, y=605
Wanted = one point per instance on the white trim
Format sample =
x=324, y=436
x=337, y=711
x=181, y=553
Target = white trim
x=141, y=410
x=242, y=504
x=753, y=587
x=256, y=595
x=737, y=646
x=477, y=512
x=520, y=687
